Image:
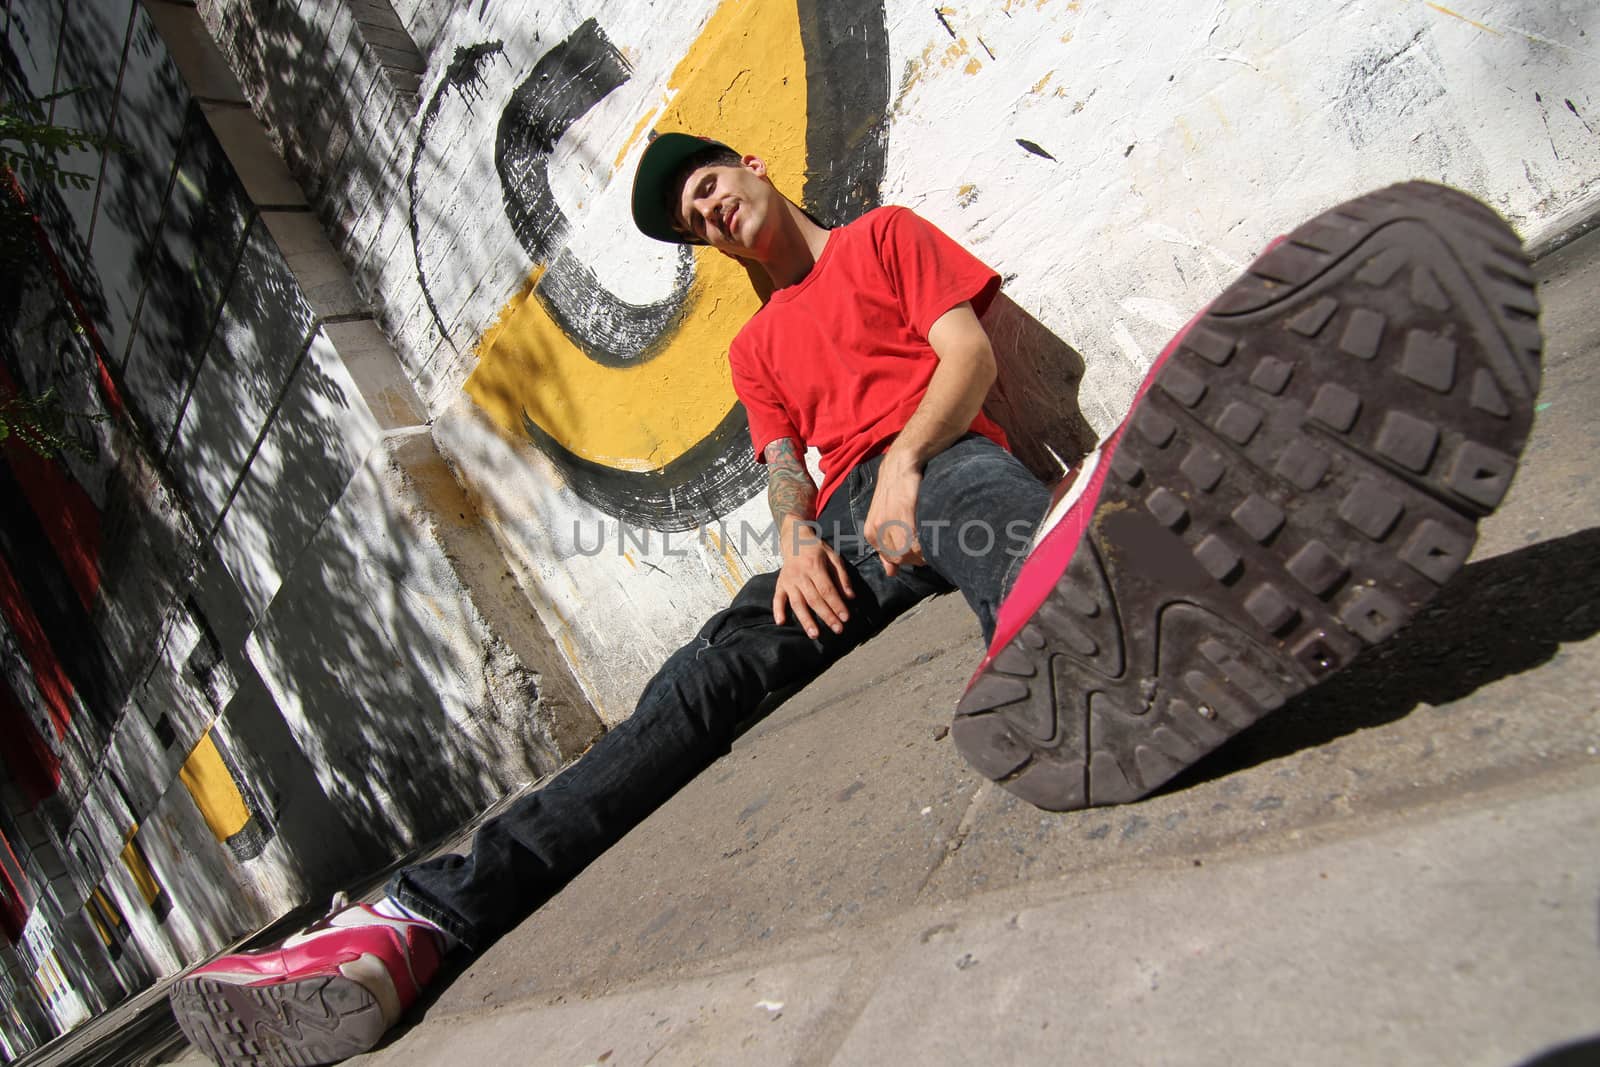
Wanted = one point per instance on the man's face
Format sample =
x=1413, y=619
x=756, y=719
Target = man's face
x=727, y=206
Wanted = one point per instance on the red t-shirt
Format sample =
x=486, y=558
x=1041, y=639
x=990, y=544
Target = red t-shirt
x=841, y=359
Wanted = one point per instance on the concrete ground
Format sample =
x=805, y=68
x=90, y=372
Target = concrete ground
x=1402, y=866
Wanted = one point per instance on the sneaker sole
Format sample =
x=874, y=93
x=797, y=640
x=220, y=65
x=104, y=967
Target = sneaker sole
x=308, y=1021
x=1306, y=472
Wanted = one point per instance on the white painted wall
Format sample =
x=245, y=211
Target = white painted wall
x=1188, y=135
x=1184, y=136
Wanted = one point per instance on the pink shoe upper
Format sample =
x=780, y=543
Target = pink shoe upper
x=392, y=958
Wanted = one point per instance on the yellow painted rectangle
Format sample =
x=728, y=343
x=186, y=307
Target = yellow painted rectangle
x=99, y=927
x=215, y=792
x=143, y=876
x=108, y=911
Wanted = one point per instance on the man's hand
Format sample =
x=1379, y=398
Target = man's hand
x=892, y=517
x=812, y=583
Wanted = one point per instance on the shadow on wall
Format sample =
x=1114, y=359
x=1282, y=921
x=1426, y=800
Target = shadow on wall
x=1035, y=395
x=135, y=96
x=252, y=461
x=339, y=598
x=359, y=668
x=346, y=604
x=274, y=451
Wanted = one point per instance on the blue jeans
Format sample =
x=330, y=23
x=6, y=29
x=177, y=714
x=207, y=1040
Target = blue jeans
x=976, y=510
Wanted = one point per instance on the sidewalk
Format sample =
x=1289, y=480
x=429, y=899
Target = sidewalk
x=1401, y=867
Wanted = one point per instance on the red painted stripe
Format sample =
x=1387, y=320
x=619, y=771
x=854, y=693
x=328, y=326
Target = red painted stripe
x=13, y=908
x=33, y=765
x=48, y=674
x=63, y=509
x=108, y=386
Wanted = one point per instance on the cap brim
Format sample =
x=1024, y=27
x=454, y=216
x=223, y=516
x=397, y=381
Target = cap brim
x=660, y=162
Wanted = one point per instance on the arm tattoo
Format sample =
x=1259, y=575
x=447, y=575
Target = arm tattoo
x=790, y=490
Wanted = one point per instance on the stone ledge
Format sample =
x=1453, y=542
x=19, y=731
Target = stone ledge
x=260, y=168
x=194, y=52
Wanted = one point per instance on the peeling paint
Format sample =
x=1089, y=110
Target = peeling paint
x=732, y=575
x=1187, y=133
x=645, y=122
x=1572, y=108
x=1456, y=15
x=1216, y=109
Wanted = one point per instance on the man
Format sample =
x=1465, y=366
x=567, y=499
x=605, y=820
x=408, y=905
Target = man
x=1302, y=469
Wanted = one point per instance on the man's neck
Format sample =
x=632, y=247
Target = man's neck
x=795, y=249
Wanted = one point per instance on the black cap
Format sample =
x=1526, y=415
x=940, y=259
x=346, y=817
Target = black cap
x=660, y=163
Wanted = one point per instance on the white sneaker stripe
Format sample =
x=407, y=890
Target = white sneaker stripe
x=353, y=918
x=371, y=974
x=1069, y=498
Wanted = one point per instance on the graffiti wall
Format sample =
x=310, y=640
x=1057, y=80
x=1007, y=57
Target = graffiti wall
x=1117, y=167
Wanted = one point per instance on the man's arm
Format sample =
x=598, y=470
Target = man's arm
x=812, y=576
x=955, y=395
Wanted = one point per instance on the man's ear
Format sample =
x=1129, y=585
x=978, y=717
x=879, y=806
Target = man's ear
x=755, y=165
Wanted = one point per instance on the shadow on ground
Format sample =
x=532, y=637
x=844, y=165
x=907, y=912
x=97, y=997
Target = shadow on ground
x=1585, y=1052
x=451, y=967
x=1498, y=617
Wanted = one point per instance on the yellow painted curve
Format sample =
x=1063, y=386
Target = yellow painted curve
x=743, y=82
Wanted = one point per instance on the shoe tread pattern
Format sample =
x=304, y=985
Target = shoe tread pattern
x=1308, y=472
x=292, y=1024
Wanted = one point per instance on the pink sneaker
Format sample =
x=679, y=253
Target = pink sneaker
x=1308, y=470
x=321, y=995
